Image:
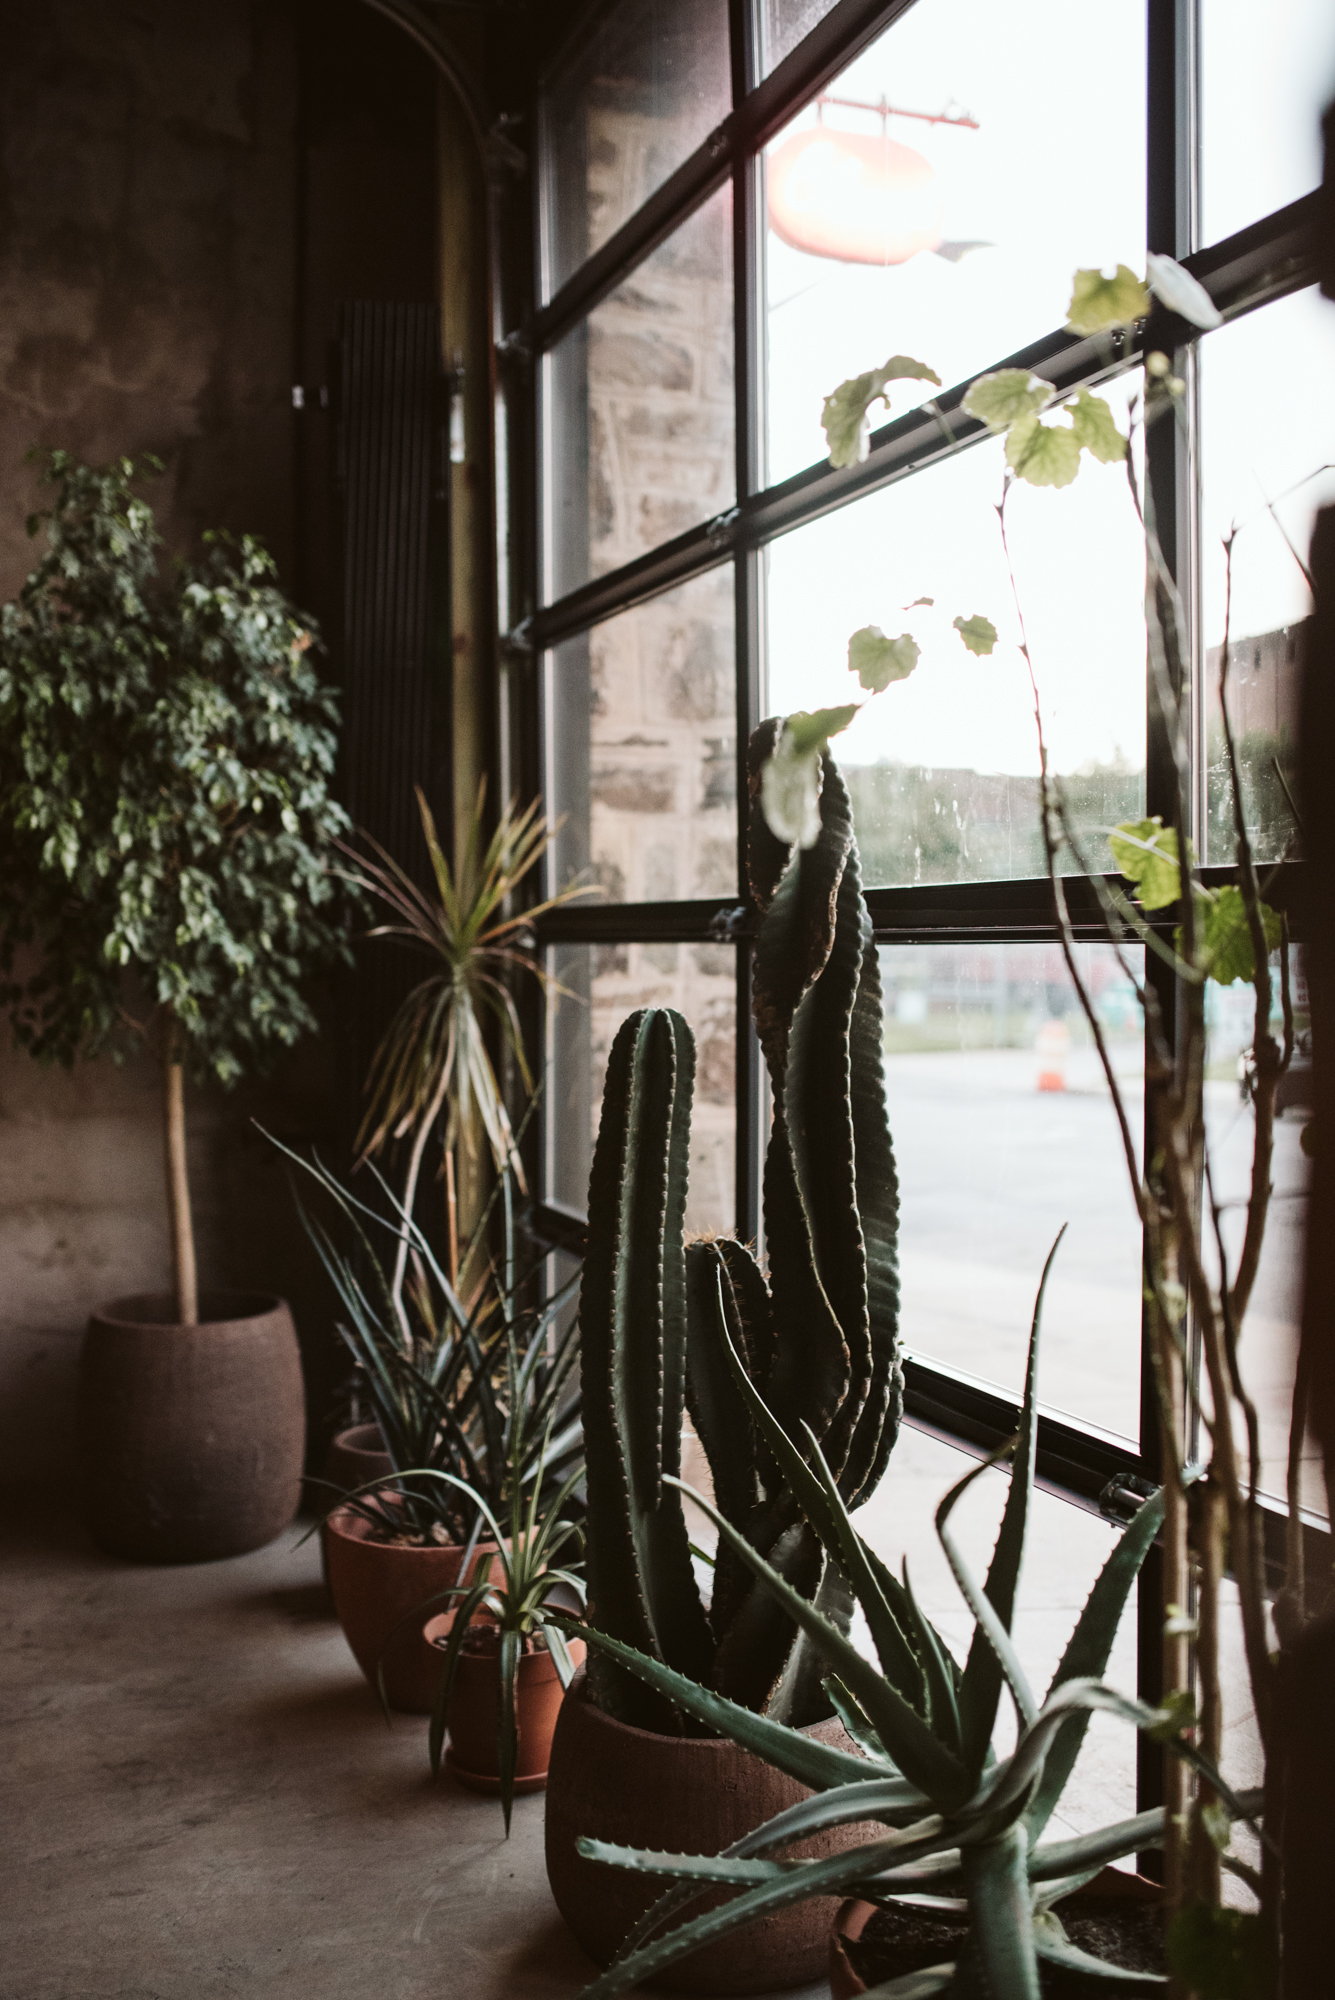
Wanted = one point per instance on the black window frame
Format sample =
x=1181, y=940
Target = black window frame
x=1267, y=261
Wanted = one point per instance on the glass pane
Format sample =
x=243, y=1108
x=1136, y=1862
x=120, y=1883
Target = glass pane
x=1064, y=1551
x=786, y=23
x=943, y=767
x=949, y=227
x=634, y=99
x=644, y=748
x=1004, y=1129
x=640, y=442
x=1266, y=77
x=1249, y=463
x=605, y=983
x=1269, y=1346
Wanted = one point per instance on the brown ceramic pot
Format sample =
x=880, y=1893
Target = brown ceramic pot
x=855, y=1915
x=190, y=1437
x=355, y=1457
x=475, y=1711
x=678, y=1795
x=376, y=1586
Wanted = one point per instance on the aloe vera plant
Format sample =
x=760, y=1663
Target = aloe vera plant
x=960, y=1822
x=818, y=1338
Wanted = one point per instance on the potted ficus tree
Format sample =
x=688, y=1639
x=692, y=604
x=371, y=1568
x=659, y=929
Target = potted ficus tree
x=166, y=755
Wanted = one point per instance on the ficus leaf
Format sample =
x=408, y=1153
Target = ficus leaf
x=999, y=398
x=1098, y=302
x=1146, y=852
x=978, y=633
x=877, y=660
x=844, y=416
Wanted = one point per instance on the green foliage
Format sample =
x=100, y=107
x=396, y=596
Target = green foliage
x=470, y=1384
x=1043, y=454
x=819, y=1339
x=1005, y=396
x=1095, y=429
x=1219, y=1954
x=166, y=756
x=790, y=782
x=1180, y=292
x=958, y=1820
x=1099, y=303
x=1226, y=938
x=1146, y=852
x=515, y=1592
x=877, y=660
x=844, y=416
x=979, y=634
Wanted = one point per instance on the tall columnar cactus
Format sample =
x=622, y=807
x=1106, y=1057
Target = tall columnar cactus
x=818, y=1340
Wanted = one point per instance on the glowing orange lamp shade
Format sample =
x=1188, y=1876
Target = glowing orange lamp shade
x=855, y=196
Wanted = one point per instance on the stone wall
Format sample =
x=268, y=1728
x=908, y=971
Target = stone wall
x=153, y=295
x=656, y=799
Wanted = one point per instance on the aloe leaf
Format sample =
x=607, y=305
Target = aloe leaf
x=907, y=1738
x=976, y=1699
x=942, y=1693
x=819, y=1765
x=1088, y=1649
x=448, y=1667
x=1052, y=1944
x=1001, y=1926
x=507, y=1731
x=834, y=1876
x=923, y=1985
x=851, y=1715
x=1096, y=1850
x=844, y=1805
x=818, y=1495
x=980, y=1689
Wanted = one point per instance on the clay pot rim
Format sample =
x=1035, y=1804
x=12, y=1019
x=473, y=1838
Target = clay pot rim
x=342, y=1439
x=134, y=1311
x=353, y=1527
x=579, y=1691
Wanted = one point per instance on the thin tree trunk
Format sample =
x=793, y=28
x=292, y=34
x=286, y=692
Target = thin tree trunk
x=178, y=1193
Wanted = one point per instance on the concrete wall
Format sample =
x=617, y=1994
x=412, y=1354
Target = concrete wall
x=167, y=212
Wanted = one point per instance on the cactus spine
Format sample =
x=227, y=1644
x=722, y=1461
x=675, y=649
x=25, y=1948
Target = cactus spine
x=819, y=1340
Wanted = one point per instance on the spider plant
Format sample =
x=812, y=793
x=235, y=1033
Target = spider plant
x=434, y=1057
x=480, y=1389
x=517, y=1591
x=961, y=1822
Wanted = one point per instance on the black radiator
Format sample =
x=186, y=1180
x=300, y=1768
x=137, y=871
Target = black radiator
x=394, y=645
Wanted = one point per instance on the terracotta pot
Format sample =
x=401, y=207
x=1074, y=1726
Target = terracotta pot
x=678, y=1795
x=475, y=1709
x=855, y=1915
x=190, y=1437
x=355, y=1456
x=376, y=1585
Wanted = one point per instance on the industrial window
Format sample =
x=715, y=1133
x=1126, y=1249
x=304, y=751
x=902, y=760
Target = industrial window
x=706, y=271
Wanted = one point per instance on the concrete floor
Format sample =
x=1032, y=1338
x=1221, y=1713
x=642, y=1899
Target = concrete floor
x=200, y=1798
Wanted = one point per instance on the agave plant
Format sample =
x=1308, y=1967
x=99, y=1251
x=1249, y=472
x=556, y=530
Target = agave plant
x=480, y=1390
x=818, y=1337
x=433, y=1057
x=960, y=1822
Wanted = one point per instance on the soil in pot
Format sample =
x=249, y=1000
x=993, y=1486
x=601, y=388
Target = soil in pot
x=190, y=1437
x=879, y=1945
x=474, y=1717
x=377, y=1586
x=682, y=1795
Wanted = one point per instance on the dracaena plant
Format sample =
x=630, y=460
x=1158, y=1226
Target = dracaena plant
x=433, y=1063
x=818, y=1334
x=477, y=1399
x=167, y=818
x=961, y=1822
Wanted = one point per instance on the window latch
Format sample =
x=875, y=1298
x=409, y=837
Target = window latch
x=1124, y=1496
